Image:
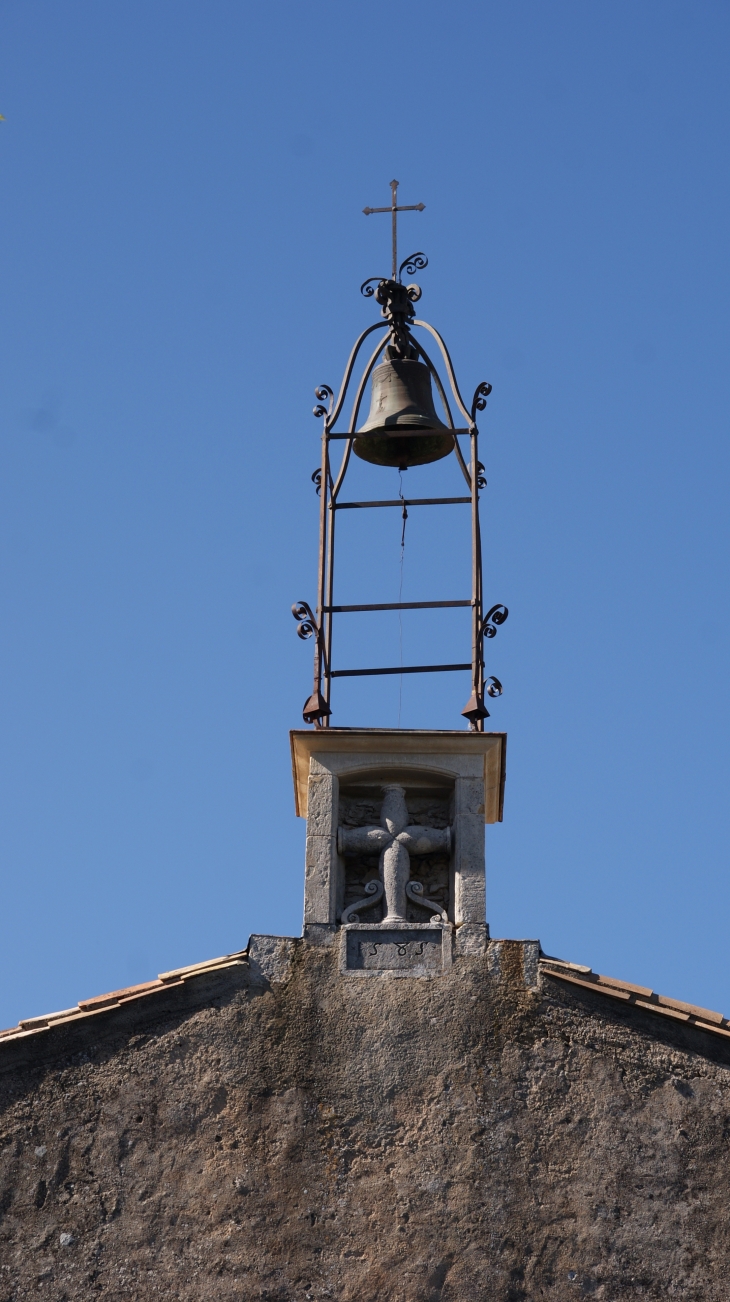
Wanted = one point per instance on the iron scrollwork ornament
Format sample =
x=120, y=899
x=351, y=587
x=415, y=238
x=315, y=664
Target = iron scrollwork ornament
x=396, y=301
x=307, y=625
x=475, y=708
x=396, y=305
x=493, y=619
x=479, y=401
x=317, y=480
x=324, y=394
x=413, y=263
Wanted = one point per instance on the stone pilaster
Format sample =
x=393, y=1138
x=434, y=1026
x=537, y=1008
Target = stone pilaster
x=468, y=871
x=321, y=863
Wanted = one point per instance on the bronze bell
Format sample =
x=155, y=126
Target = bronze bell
x=402, y=400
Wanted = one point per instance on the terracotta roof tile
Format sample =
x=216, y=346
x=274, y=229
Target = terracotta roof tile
x=665, y=1012
x=625, y=985
x=116, y=998
x=639, y=996
x=692, y=1009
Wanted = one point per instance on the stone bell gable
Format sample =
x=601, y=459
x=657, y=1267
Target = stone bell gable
x=375, y=800
x=272, y=1126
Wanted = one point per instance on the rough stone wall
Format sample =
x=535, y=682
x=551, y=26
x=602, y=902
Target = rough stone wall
x=485, y=1136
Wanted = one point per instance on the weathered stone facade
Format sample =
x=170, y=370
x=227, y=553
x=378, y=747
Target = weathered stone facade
x=272, y=1128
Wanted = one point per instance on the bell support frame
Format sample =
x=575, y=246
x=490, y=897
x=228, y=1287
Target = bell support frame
x=396, y=300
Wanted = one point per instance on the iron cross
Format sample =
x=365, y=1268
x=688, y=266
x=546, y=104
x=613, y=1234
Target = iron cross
x=395, y=209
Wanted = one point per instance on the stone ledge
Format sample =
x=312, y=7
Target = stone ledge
x=409, y=744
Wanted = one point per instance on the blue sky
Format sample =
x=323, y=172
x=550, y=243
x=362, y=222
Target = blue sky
x=182, y=248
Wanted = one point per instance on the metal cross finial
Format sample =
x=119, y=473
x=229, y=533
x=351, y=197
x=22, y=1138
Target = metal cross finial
x=395, y=209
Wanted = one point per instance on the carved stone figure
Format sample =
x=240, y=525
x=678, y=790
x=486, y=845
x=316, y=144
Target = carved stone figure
x=396, y=840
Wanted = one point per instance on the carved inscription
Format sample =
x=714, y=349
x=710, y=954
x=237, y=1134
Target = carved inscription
x=387, y=950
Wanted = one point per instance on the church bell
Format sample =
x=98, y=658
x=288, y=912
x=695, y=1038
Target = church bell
x=401, y=406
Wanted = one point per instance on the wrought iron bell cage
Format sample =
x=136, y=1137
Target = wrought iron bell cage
x=397, y=345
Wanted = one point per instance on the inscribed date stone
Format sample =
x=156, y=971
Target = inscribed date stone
x=389, y=950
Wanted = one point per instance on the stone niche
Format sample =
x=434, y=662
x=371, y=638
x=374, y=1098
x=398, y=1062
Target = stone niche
x=449, y=780
x=433, y=806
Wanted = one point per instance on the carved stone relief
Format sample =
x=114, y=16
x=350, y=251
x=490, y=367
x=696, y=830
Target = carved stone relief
x=396, y=847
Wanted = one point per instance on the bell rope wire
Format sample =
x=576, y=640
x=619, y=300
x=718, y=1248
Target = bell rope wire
x=400, y=589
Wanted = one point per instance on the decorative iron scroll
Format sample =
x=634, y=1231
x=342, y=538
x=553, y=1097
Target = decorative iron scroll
x=306, y=619
x=323, y=392
x=493, y=619
x=493, y=687
x=413, y=263
x=396, y=303
x=479, y=401
x=413, y=292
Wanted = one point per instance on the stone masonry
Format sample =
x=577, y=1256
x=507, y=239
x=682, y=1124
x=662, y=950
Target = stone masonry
x=511, y=1130
x=338, y=769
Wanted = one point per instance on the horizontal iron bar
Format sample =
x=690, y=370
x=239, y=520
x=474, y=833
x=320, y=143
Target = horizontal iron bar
x=410, y=207
x=396, y=605
x=400, y=433
x=402, y=669
x=405, y=501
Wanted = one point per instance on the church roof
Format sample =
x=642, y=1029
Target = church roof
x=638, y=996
x=574, y=974
x=88, y=1008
